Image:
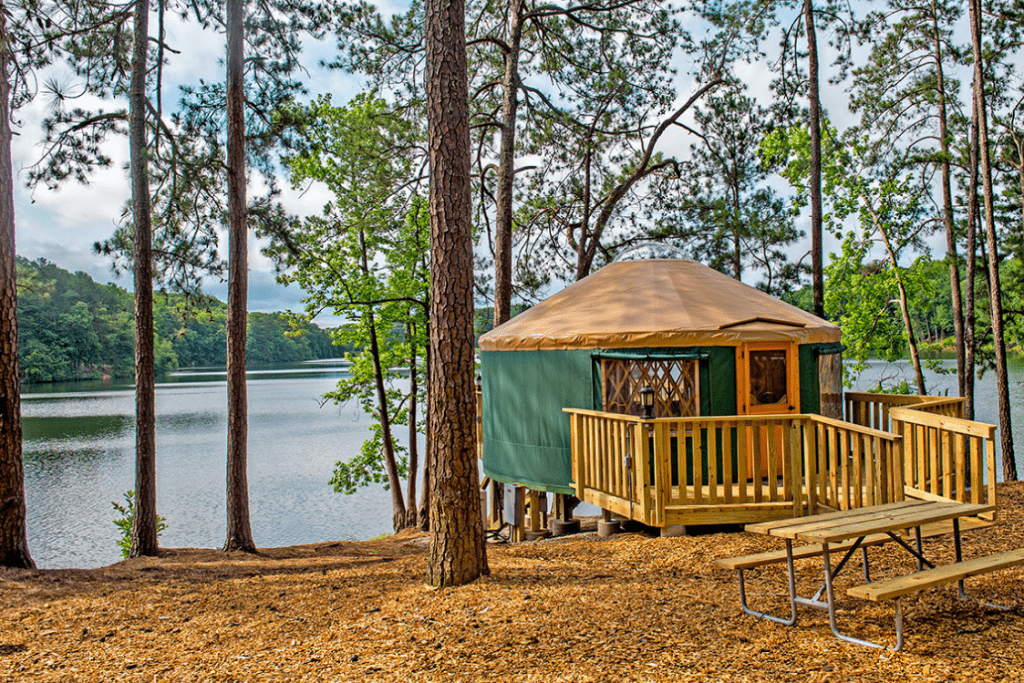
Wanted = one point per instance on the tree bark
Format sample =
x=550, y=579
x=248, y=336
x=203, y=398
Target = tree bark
x=947, y=212
x=814, y=107
x=506, y=167
x=457, y=548
x=414, y=446
x=144, y=527
x=995, y=292
x=239, y=532
x=424, y=513
x=13, y=530
x=971, y=268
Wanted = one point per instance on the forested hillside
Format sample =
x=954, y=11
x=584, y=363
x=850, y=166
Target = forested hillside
x=71, y=327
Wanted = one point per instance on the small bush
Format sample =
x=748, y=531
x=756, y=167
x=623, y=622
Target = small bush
x=127, y=519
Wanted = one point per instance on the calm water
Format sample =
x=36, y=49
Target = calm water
x=79, y=456
x=80, y=441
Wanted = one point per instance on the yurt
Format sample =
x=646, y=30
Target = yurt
x=702, y=342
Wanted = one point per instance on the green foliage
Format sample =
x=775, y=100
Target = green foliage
x=71, y=327
x=367, y=467
x=127, y=518
x=365, y=258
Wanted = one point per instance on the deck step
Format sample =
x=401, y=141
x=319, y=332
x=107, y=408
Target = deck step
x=931, y=578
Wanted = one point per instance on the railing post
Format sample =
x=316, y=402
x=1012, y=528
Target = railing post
x=811, y=474
x=642, y=465
x=900, y=475
x=795, y=464
x=579, y=461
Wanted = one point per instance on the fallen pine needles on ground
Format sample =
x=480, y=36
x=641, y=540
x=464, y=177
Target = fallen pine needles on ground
x=627, y=608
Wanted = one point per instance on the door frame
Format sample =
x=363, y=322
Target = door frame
x=792, y=405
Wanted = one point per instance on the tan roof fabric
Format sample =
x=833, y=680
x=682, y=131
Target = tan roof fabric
x=659, y=303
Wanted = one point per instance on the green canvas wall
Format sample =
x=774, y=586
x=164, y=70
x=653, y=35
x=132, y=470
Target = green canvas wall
x=810, y=398
x=526, y=434
x=527, y=437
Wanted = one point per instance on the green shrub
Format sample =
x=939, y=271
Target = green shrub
x=127, y=519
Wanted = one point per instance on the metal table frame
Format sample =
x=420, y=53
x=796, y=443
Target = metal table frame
x=830, y=573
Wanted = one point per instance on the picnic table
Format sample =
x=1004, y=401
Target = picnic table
x=847, y=531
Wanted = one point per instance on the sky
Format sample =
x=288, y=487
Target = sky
x=62, y=225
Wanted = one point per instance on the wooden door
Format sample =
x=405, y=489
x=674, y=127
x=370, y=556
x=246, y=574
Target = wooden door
x=767, y=383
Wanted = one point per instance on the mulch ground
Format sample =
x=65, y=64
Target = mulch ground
x=627, y=608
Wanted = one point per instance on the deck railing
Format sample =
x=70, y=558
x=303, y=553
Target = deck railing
x=730, y=469
x=872, y=410
x=946, y=457
x=854, y=465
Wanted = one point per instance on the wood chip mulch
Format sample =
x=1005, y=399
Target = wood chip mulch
x=627, y=608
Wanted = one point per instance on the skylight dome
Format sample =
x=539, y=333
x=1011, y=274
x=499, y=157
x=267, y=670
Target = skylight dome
x=650, y=251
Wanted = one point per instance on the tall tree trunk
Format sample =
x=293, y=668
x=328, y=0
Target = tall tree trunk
x=458, y=553
x=390, y=465
x=239, y=536
x=947, y=211
x=414, y=446
x=908, y=324
x=971, y=274
x=424, y=514
x=737, y=256
x=814, y=107
x=995, y=292
x=144, y=540
x=507, y=167
x=13, y=530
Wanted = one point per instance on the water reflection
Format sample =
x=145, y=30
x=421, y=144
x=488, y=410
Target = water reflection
x=79, y=456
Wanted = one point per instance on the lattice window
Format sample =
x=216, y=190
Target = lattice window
x=675, y=384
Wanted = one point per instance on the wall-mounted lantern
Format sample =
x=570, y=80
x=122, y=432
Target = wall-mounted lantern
x=647, y=401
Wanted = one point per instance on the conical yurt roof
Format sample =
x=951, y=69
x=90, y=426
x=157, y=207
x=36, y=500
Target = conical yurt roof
x=657, y=303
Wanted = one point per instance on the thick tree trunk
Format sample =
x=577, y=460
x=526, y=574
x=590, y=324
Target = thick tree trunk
x=507, y=167
x=947, y=213
x=144, y=537
x=814, y=107
x=995, y=292
x=13, y=533
x=239, y=536
x=457, y=548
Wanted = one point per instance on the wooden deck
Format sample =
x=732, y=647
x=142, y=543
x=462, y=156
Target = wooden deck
x=740, y=469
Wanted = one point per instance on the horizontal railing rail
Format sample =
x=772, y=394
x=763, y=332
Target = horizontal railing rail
x=872, y=410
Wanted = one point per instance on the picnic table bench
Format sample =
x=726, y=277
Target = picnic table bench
x=849, y=530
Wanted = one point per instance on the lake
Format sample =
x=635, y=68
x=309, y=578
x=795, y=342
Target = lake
x=79, y=450
x=79, y=445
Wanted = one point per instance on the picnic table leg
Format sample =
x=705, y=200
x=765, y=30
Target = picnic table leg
x=792, y=592
x=920, y=548
x=831, y=601
x=960, y=583
x=864, y=561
